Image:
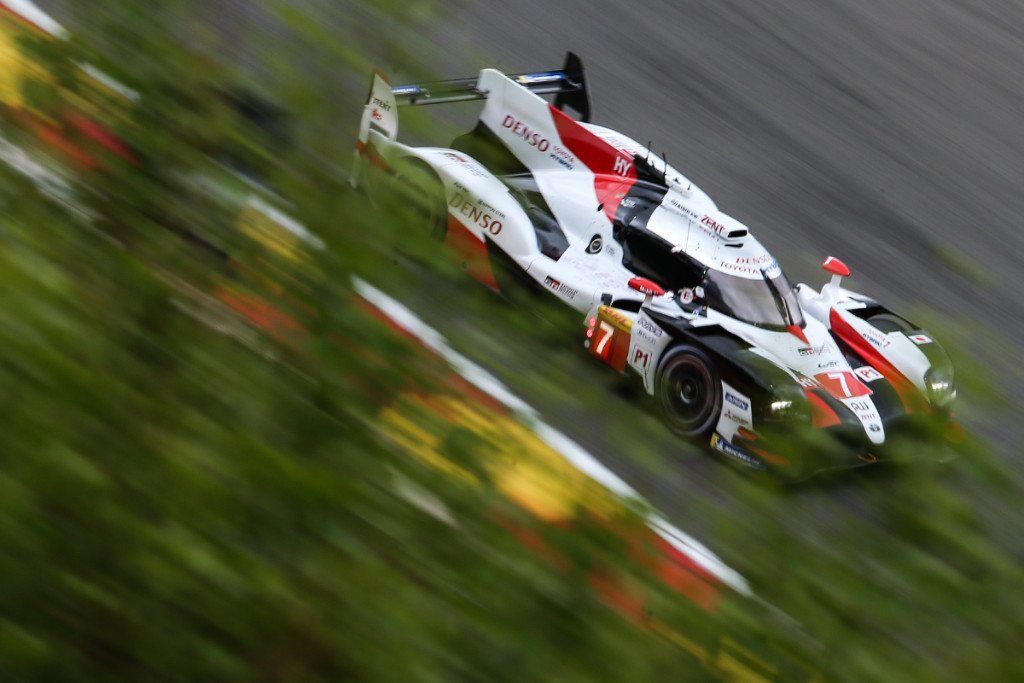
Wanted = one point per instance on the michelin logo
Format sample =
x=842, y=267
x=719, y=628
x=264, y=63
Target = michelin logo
x=720, y=444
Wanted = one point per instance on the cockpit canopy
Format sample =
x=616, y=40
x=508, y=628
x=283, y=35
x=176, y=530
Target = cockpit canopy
x=768, y=302
x=761, y=297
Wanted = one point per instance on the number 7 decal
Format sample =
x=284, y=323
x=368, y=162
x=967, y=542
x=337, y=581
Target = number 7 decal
x=843, y=384
x=607, y=333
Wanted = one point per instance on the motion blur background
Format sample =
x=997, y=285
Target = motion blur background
x=218, y=462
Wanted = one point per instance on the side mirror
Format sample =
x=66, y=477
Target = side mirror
x=646, y=287
x=838, y=270
x=835, y=267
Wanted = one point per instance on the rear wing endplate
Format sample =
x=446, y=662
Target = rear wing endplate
x=569, y=85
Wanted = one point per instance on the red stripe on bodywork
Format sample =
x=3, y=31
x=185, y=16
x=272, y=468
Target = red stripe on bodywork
x=909, y=395
x=473, y=251
x=798, y=332
x=614, y=172
x=768, y=456
x=822, y=414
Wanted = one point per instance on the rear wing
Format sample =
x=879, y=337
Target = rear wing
x=380, y=115
x=568, y=84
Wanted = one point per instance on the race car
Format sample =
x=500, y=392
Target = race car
x=776, y=377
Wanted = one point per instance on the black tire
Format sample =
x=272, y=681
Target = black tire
x=417, y=194
x=689, y=392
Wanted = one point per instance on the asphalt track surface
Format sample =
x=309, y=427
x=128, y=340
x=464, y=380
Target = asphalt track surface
x=886, y=134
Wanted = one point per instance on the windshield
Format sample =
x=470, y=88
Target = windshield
x=765, y=302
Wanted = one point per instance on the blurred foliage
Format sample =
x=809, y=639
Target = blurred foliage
x=183, y=496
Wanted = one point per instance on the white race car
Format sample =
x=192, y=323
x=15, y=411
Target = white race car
x=777, y=377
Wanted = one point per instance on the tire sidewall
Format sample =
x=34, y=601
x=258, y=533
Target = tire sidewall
x=676, y=358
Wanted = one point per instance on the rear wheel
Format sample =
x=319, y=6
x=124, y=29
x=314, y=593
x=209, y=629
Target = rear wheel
x=689, y=392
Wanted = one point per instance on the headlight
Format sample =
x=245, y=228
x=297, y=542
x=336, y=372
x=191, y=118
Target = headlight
x=786, y=406
x=938, y=382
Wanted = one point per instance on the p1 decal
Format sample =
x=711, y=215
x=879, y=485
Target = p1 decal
x=868, y=374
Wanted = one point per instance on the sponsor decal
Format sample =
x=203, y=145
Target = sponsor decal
x=806, y=351
x=560, y=288
x=595, y=246
x=867, y=374
x=736, y=401
x=622, y=166
x=564, y=157
x=377, y=102
x=545, y=77
x=683, y=209
x=877, y=339
x=615, y=317
x=771, y=265
x=807, y=382
x=754, y=260
x=713, y=225
x=486, y=218
x=920, y=339
x=738, y=418
x=646, y=324
x=456, y=157
x=377, y=116
x=864, y=410
x=533, y=138
x=718, y=443
x=645, y=336
x=828, y=365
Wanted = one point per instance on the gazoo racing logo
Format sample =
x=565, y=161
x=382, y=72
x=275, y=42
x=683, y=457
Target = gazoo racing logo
x=491, y=222
x=533, y=138
x=561, y=288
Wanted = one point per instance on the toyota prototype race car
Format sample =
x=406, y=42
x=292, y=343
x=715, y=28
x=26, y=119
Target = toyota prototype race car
x=788, y=379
